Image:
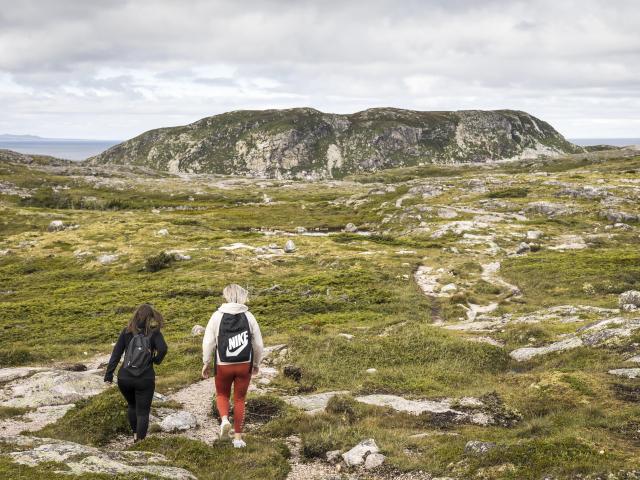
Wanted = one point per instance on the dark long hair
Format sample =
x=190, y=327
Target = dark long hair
x=146, y=319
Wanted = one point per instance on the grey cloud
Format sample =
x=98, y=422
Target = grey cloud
x=569, y=62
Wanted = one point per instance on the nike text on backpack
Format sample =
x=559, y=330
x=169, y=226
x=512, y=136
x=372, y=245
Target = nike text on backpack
x=138, y=355
x=234, y=339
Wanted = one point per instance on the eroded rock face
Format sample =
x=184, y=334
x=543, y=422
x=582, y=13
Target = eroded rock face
x=306, y=143
x=83, y=459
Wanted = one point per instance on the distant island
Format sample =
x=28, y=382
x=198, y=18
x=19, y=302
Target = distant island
x=306, y=143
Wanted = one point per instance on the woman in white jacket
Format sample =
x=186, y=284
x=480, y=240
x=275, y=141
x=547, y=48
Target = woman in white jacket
x=231, y=329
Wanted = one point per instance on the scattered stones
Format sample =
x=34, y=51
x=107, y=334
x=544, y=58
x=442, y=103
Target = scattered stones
x=163, y=232
x=524, y=247
x=197, y=330
x=107, y=259
x=300, y=230
x=475, y=447
x=350, y=228
x=371, y=371
x=374, y=460
x=427, y=279
x=289, y=247
x=629, y=300
x=356, y=456
x=178, y=421
x=348, y=336
x=626, y=372
x=56, y=226
x=534, y=234
x=449, y=288
x=333, y=456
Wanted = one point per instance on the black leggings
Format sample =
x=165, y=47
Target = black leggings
x=139, y=393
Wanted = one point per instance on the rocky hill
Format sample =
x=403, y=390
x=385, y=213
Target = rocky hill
x=307, y=143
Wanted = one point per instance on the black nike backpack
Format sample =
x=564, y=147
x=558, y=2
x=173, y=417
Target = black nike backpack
x=234, y=339
x=138, y=356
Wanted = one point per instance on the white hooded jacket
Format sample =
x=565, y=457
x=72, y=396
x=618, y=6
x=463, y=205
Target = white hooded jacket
x=210, y=340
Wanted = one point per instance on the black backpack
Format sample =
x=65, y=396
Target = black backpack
x=234, y=339
x=138, y=355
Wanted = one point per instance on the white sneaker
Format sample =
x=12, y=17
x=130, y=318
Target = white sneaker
x=239, y=443
x=225, y=426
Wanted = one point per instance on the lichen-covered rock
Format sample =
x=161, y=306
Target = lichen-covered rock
x=51, y=387
x=107, y=259
x=356, y=456
x=629, y=300
x=305, y=143
x=197, y=330
x=350, y=228
x=475, y=447
x=527, y=353
x=374, y=460
x=177, y=421
x=626, y=372
x=289, y=247
x=82, y=459
x=313, y=403
x=56, y=226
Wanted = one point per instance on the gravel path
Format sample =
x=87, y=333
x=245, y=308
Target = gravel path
x=196, y=399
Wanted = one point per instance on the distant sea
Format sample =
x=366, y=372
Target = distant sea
x=66, y=149
x=82, y=149
x=617, y=142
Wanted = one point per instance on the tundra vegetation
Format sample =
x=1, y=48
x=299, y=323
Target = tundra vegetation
x=448, y=286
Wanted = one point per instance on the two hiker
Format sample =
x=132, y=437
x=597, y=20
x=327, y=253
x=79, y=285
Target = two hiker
x=232, y=334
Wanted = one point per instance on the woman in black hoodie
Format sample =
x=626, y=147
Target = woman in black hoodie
x=136, y=377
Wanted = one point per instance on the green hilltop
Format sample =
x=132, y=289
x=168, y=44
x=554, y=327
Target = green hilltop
x=309, y=144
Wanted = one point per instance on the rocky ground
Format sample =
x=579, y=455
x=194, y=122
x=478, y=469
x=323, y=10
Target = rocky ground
x=458, y=322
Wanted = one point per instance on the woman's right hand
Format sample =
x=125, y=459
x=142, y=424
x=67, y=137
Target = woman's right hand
x=206, y=371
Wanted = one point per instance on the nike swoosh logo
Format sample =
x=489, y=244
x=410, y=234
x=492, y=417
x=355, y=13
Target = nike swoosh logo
x=237, y=351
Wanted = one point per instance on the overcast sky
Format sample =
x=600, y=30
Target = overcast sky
x=111, y=69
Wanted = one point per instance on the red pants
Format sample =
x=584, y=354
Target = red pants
x=239, y=375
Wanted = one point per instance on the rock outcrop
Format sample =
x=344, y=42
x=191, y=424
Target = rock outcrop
x=307, y=143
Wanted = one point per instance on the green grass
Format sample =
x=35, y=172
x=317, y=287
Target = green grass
x=93, y=421
x=261, y=459
x=571, y=409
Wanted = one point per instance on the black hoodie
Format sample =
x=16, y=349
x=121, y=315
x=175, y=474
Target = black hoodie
x=158, y=347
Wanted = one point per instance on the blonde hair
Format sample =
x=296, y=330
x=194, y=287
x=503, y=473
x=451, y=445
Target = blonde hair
x=234, y=293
